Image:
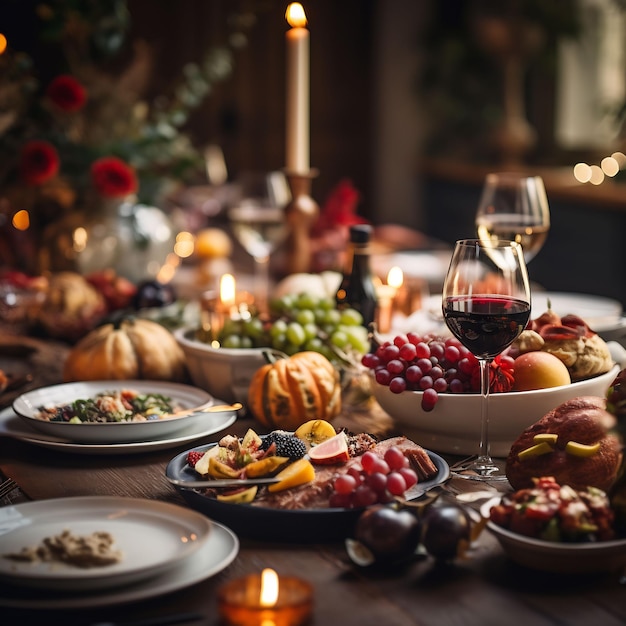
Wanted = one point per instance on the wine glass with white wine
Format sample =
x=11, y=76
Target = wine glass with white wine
x=258, y=222
x=514, y=207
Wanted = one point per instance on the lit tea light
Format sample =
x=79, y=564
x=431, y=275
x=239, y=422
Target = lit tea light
x=265, y=599
x=384, y=311
x=228, y=291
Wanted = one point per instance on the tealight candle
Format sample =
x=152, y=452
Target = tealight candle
x=384, y=310
x=266, y=598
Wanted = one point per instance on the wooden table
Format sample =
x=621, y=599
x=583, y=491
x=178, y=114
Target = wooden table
x=483, y=589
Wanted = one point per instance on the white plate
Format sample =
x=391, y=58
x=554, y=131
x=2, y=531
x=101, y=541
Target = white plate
x=599, y=313
x=11, y=425
x=152, y=536
x=187, y=397
x=430, y=266
x=217, y=553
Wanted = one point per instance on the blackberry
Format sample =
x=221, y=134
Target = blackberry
x=287, y=445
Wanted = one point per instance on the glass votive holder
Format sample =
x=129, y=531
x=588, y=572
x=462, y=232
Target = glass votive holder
x=240, y=602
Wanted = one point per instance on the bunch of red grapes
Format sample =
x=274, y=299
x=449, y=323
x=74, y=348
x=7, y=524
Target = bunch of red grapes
x=430, y=364
x=376, y=480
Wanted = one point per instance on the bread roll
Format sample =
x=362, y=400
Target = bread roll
x=584, y=422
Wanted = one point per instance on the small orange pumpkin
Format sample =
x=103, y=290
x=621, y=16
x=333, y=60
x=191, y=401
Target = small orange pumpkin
x=291, y=391
x=130, y=348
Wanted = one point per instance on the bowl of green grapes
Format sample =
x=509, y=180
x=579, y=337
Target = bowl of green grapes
x=224, y=365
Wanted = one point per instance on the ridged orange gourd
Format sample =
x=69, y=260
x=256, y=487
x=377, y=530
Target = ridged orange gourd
x=290, y=391
x=133, y=348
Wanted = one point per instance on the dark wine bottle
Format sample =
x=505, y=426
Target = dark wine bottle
x=357, y=288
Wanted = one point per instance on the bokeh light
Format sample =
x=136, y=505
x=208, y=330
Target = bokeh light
x=582, y=172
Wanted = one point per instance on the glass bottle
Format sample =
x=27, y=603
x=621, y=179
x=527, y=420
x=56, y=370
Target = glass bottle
x=357, y=288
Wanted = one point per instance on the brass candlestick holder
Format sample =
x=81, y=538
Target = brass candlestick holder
x=301, y=213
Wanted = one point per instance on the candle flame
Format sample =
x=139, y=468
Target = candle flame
x=269, y=587
x=395, y=277
x=295, y=15
x=227, y=289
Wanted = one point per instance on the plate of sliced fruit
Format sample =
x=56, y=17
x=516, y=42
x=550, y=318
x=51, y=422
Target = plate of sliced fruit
x=304, y=486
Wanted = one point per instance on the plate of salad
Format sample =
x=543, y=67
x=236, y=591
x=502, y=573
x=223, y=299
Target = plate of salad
x=117, y=411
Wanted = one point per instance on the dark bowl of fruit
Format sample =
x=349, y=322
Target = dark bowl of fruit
x=320, y=482
x=430, y=386
x=555, y=528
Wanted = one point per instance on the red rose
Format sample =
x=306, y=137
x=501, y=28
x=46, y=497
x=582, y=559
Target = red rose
x=113, y=177
x=340, y=208
x=66, y=93
x=39, y=161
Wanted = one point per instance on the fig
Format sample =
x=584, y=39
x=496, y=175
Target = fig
x=390, y=534
x=446, y=531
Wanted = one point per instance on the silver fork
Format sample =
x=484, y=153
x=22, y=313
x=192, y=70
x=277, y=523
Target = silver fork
x=6, y=487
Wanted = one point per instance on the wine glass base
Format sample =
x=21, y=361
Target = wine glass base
x=479, y=469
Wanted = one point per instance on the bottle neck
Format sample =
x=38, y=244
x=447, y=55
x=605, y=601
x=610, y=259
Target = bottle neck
x=359, y=259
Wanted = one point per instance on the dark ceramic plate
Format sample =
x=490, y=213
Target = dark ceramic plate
x=264, y=523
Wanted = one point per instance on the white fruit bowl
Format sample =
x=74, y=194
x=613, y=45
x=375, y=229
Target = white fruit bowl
x=453, y=426
x=223, y=372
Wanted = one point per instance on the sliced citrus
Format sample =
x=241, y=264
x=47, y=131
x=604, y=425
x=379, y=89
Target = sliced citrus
x=265, y=466
x=239, y=497
x=315, y=431
x=298, y=473
x=331, y=451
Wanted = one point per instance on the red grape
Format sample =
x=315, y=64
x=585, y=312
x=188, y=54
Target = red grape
x=345, y=484
x=397, y=384
x=395, y=458
x=396, y=484
x=409, y=475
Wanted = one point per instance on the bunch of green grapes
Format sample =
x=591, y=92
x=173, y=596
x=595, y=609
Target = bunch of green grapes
x=299, y=323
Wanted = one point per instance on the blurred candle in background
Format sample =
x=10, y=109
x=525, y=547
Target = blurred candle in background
x=227, y=290
x=297, y=123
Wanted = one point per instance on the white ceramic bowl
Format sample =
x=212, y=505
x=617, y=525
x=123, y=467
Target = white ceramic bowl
x=187, y=397
x=223, y=372
x=453, y=426
x=556, y=557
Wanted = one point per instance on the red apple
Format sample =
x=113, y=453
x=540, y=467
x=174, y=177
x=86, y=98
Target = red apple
x=539, y=370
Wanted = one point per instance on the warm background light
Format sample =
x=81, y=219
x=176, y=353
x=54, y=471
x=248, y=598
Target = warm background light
x=21, y=220
x=582, y=172
x=609, y=166
x=184, y=245
x=227, y=289
x=395, y=277
x=597, y=175
x=3, y=43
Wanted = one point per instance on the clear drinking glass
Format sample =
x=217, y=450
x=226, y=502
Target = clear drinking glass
x=486, y=305
x=258, y=222
x=514, y=207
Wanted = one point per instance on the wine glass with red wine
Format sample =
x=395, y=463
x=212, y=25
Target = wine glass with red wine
x=486, y=305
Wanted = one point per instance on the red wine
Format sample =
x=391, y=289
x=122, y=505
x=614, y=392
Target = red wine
x=486, y=326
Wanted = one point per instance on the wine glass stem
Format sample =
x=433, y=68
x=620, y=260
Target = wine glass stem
x=484, y=453
x=262, y=265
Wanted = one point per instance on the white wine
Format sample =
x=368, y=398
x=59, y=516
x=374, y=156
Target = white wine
x=513, y=227
x=258, y=230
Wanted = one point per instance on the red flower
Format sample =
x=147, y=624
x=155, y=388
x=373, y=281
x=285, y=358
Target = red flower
x=340, y=208
x=113, y=177
x=66, y=93
x=39, y=161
